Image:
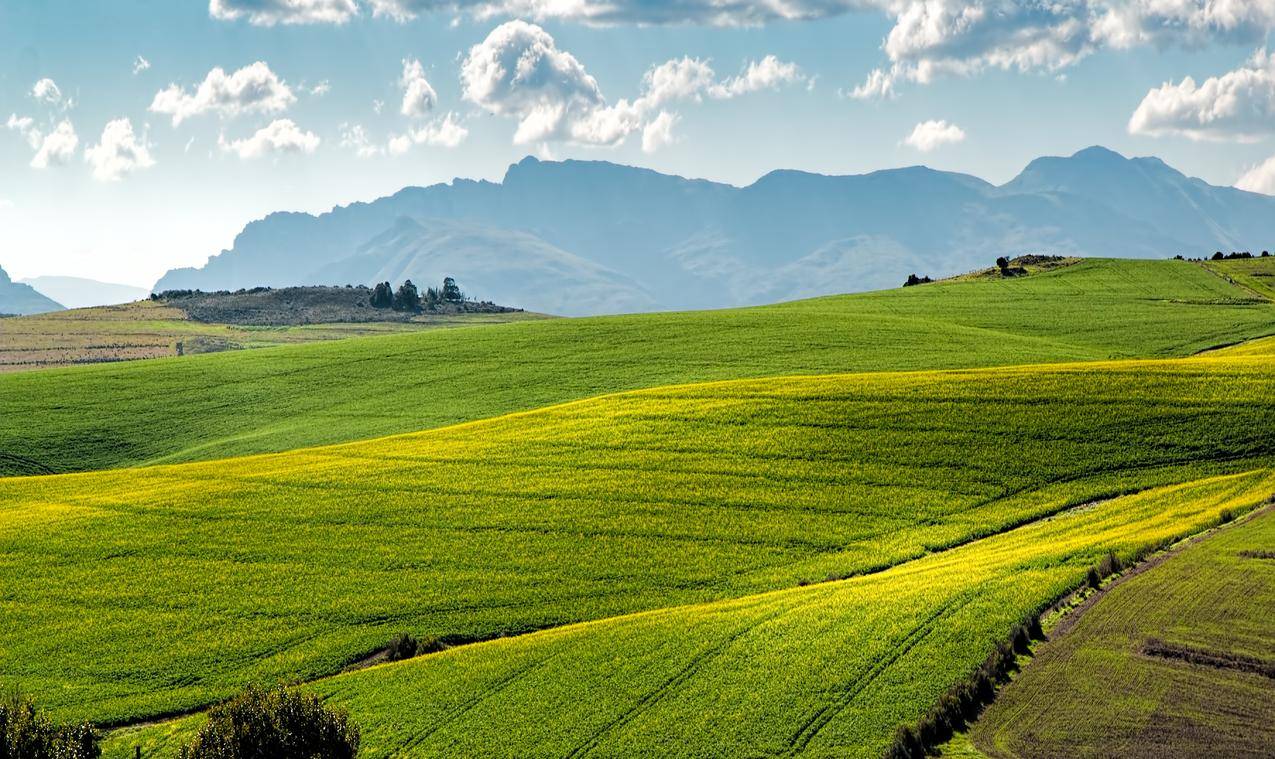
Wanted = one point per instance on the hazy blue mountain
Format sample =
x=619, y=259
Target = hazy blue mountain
x=17, y=298
x=623, y=238
x=502, y=266
x=77, y=292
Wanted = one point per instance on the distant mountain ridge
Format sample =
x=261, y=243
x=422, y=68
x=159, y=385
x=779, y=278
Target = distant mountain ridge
x=17, y=299
x=584, y=237
x=78, y=292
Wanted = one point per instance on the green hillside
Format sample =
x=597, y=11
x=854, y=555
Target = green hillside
x=824, y=670
x=1175, y=662
x=274, y=399
x=201, y=576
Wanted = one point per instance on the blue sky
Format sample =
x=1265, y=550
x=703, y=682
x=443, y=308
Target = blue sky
x=982, y=86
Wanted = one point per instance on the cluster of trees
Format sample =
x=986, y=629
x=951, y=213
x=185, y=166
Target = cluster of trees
x=915, y=280
x=408, y=298
x=1220, y=256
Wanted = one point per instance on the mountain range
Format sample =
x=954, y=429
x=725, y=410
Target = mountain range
x=18, y=299
x=585, y=237
x=78, y=292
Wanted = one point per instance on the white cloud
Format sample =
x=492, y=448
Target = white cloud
x=354, y=137
x=271, y=12
x=963, y=37
x=279, y=136
x=57, y=148
x=519, y=72
x=767, y=74
x=321, y=89
x=25, y=126
x=659, y=132
x=419, y=97
x=251, y=89
x=119, y=153
x=931, y=135
x=46, y=91
x=140, y=64
x=878, y=85
x=1260, y=178
x=1238, y=105
x=446, y=132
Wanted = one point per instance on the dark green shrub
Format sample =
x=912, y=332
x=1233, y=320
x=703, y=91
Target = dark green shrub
x=402, y=646
x=274, y=723
x=26, y=733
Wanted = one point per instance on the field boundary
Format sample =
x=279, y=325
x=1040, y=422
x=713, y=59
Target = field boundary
x=1063, y=615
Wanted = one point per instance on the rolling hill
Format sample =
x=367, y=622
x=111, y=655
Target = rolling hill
x=177, y=409
x=260, y=566
x=17, y=298
x=626, y=239
x=947, y=492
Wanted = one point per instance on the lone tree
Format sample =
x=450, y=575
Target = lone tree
x=1002, y=263
x=407, y=298
x=451, y=293
x=382, y=295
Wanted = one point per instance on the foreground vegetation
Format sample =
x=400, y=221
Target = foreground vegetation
x=228, y=404
x=825, y=670
x=1178, y=660
x=201, y=577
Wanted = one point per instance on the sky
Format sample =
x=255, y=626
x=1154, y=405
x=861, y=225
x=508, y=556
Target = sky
x=142, y=135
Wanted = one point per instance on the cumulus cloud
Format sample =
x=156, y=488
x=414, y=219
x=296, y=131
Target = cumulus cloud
x=1238, y=105
x=321, y=89
x=419, y=97
x=279, y=136
x=931, y=135
x=56, y=148
x=119, y=153
x=271, y=12
x=46, y=91
x=963, y=37
x=519, y=72
x=1260, y=178
x=251, y=89
x=445, y=132
x=140, y=64
x=659, y=132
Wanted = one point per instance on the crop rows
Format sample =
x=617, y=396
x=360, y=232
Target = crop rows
x=822, y=670
x=199, y=577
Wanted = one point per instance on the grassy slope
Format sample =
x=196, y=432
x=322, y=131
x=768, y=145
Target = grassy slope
x=201, y=576
x=147, y=329
x=1089, y=691
x=824, y=670
x=1256, y=274
x=227, y=404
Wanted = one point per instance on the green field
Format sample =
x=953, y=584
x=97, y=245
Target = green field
x=275, y=399
x=824, y=670
x=202, y=576
x=1107, y=682
x=1255, y=274
x=797, y=561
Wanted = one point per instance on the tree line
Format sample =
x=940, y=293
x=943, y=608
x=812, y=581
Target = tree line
x=408, y=298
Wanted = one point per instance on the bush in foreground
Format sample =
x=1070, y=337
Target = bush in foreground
x=274, y=723
x=26, y=733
